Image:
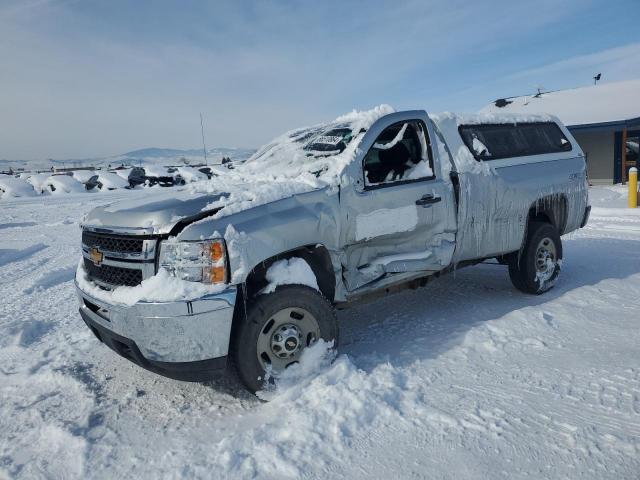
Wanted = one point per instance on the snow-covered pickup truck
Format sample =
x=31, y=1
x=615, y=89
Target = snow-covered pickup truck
x=250, y=265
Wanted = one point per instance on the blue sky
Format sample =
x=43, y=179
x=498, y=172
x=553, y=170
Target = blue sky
x=92, y=78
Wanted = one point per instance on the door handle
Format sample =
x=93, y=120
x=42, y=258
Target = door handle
x=428, y=199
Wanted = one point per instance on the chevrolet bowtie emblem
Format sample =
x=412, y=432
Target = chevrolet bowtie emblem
x=96, y=256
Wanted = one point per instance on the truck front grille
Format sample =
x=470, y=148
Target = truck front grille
x=112, y=243
x=112, y=260
x=116, y=276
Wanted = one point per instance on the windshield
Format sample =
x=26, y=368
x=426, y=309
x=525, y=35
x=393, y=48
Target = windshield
x=321, y=151
x=330, y=142
x=299, y=161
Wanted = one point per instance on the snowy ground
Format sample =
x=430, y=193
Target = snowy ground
x=466, y=378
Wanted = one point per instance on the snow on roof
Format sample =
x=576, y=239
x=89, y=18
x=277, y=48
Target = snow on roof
x=604, y=103
x=111, y=180
x=63, y=184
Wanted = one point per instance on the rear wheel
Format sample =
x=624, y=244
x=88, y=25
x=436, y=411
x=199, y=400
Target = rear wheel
x=537, y=267
x=277, y=328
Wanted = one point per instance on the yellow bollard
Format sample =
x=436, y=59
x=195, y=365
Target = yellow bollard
x=633, y=187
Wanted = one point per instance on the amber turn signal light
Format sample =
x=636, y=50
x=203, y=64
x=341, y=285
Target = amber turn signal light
x=216, y=253
x=214, y=274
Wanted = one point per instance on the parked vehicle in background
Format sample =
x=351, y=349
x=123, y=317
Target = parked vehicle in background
x=11, y=186
x=207, y=171
x=136, y=177
x=64, y=183
x=36, y=180
x=189, y=175
x=252, y=267
x=92, y=182
x=110, y=181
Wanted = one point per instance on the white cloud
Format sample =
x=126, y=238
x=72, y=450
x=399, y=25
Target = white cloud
x=619, y=63
x=83, y=79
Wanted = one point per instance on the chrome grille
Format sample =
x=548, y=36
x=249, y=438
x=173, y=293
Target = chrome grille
x=112, y=243
x=112, y=260
x=113, y=275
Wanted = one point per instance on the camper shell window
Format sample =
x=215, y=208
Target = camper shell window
x=506, y=140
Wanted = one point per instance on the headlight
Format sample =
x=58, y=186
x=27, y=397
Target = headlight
x=204, y=262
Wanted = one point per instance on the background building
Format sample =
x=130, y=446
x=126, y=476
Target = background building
x=604, y=119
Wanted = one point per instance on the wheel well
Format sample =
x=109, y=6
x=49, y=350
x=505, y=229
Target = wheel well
x=551, y=209
x=318, y=258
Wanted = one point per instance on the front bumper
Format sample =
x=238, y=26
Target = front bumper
x=185, y=340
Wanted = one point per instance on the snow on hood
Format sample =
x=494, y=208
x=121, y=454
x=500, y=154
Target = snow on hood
x=299, y=161
x=155, y=213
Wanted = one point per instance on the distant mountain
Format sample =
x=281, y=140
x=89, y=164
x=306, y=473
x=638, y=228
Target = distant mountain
x=194, y=152
x=153, y=155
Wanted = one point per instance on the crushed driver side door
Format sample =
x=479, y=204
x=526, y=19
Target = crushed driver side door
x=398, y=211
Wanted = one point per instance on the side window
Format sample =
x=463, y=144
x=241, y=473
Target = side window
x=399, y=154
x=495, y=141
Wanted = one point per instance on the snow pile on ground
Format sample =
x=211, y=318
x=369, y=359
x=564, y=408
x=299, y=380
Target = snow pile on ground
x=156, y=171
x=315, y=361
x=294, y=271
x=15, y=187
x=191, y=174
x=317, y=409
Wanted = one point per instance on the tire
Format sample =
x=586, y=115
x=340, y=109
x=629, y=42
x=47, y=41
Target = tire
x=536, y=269
x=280, y=323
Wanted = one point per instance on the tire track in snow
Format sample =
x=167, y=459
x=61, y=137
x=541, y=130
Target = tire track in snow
x=9, y=255
x=52, y=279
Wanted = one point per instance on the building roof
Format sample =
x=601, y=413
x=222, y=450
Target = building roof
x=597, y=105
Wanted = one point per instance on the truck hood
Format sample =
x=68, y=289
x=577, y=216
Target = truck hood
x=155, y=213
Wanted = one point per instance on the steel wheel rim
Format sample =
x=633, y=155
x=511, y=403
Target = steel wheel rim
x=284, y=336
x=546, y=257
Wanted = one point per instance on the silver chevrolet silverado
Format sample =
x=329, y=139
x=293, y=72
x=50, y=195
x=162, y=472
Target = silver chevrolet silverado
x=318, y=219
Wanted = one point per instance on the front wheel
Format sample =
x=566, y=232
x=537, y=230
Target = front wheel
x=536, y=269
x=277, y=328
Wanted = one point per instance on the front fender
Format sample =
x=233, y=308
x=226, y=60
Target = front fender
x=257, y=234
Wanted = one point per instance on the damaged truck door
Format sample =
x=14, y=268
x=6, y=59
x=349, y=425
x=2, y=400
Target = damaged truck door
x=398, y=215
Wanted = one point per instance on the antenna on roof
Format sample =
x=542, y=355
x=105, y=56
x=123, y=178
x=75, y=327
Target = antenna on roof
x=597, y=78
x=204, y=147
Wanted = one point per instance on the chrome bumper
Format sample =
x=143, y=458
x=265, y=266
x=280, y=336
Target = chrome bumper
x=184, y=339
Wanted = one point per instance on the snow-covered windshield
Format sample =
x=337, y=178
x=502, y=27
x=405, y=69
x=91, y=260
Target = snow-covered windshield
x=305, y=150
x=330, y=142
x=299, y=161
x=321, y=150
